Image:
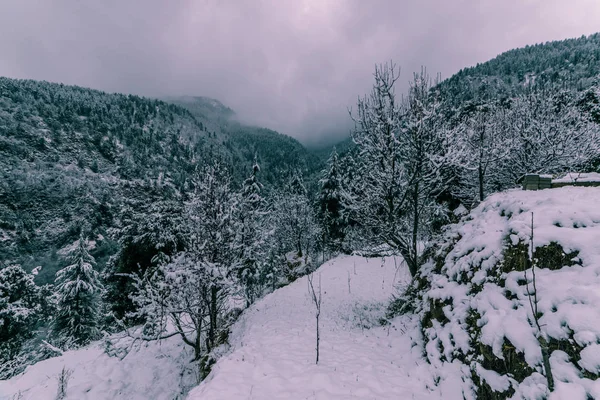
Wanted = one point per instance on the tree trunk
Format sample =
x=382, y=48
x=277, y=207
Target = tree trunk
x=415, y=232
x=546, y=361
x=318, y=338
x=212, y=331
x=480, y=176
x=480, y=169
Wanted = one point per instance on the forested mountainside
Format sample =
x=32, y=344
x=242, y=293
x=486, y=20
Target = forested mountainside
x=278, y=154
x=567, y=64
x=213, y=114
x=71, y=156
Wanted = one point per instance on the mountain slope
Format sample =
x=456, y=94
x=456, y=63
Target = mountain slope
x=479, y=339
x=564, y=64
x=272, y=350
x=71, y=157
x=278, y=154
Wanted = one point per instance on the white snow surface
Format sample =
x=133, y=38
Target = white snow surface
x=156, y=371
x=273, y=344
x=272, y=353
x=572, y=177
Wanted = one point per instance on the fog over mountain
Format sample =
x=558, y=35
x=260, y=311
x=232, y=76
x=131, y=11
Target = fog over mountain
x=292, y=66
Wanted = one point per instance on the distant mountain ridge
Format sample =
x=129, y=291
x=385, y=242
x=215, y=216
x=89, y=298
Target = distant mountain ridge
x=278, y=154
x=572, y=64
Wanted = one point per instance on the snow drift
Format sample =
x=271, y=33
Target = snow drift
x=156, y=371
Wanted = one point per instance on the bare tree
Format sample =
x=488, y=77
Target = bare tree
x=533, y=303
x=187, y=294
x=63, y=383
x=482, y=144
x=404, y=157
x=549, y=133
x=316, y=298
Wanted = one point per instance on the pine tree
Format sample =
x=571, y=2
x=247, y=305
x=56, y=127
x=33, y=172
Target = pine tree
x=331, y=200
x=153, y=233
x=251, y=230
x=79, y=289
x=19, y=314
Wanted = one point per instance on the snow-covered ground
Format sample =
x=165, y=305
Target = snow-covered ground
x=572, y=177
x=157, y=371
x=272, y=353
x=273, y=344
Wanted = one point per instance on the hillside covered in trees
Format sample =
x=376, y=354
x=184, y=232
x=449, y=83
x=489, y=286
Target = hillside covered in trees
x=72, y=156
x=279, y=154
x=572, y=64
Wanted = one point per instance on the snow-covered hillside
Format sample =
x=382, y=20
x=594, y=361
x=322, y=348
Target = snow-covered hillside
x=273, y=344
x=159, y=371
x=477, y=308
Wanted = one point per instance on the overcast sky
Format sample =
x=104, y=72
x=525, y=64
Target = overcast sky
x=290, y=65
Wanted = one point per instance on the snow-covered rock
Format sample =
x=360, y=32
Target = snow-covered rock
x=476, y=302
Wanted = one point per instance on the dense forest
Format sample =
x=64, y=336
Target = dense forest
x=154, y=218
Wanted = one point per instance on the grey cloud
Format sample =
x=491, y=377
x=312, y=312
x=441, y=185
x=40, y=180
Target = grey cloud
x=291, y=65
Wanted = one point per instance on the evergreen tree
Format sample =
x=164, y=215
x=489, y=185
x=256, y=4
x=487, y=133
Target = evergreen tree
x=79, y=289
x=151, y=234
x=251, y=231
x=19, y=313
x=331, y=199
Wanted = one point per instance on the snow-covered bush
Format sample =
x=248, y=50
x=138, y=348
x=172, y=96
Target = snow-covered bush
x=478, y=297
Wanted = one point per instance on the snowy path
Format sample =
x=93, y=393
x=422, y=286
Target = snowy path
x=273, y=354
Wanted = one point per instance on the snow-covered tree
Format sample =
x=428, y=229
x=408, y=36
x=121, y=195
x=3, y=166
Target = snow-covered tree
x=188, y=291
x=550, y=135
x=79, y=289
x=295, y=230
x=251, y=232
x=149, y=235
x=19, y=313
x=331, y=200
x=404, y=161
x=482, y=145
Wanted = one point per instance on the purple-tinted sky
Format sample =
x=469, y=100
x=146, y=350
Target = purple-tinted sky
x=291, y=65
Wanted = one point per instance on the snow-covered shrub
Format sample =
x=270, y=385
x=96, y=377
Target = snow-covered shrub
x=477, y=295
